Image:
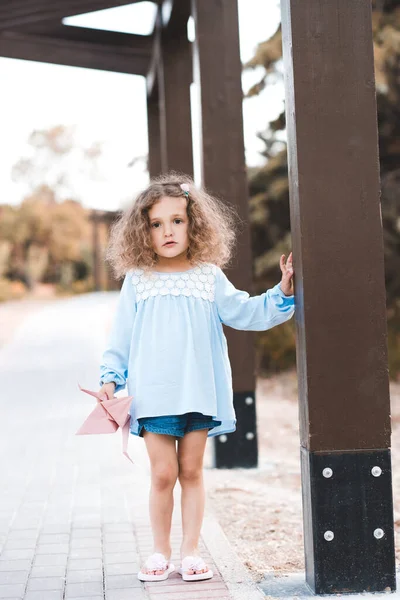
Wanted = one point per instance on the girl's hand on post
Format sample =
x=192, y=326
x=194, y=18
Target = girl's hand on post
x=107, y=389
x=287, y=274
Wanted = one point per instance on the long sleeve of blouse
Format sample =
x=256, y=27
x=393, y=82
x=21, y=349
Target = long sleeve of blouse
x=239, y=310
x=114, y=365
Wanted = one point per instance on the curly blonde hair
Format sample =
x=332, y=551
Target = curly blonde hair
x=211, y=229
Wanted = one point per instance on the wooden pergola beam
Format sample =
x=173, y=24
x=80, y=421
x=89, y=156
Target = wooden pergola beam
x=47, y=49
x=16, y=13
x=140, y=44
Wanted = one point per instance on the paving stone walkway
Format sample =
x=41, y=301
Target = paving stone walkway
x=74, y=511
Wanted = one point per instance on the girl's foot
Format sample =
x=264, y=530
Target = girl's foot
x=194, y=569
x=156, y=568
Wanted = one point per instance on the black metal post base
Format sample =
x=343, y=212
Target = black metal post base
x=348, y=521
x=240, y=448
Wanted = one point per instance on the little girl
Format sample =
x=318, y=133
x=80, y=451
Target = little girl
x=168, y=346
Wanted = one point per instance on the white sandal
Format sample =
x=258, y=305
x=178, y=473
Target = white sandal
x=156, y=562
x=194, y=563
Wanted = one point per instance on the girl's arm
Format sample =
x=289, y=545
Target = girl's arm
x=114, y=365
x=257, y=313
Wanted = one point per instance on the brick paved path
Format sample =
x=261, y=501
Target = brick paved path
x=73, y=510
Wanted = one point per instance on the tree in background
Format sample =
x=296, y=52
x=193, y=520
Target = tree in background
x=58, y=161
x=47, y=238
x=269, y=188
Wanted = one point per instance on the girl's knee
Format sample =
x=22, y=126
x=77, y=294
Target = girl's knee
x=164, y=476
x=189, y=472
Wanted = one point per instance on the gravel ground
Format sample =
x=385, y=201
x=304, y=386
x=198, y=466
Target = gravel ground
x=260, y=509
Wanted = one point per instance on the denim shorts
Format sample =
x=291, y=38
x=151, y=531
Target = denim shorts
x=176, y=425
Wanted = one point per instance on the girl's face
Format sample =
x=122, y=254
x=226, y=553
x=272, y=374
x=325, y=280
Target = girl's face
x=169, y=227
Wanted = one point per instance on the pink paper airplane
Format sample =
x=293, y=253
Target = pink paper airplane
x=107, y=417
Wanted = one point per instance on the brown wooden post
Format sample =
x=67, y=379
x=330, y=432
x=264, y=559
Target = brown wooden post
x=217, y=70
x=153, y=120
x=340, y=295
x=174, y=79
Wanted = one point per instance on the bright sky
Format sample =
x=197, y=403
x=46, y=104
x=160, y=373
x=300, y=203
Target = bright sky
x=111, y=107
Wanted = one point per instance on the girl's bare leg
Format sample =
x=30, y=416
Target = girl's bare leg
x=164, y=472
x=190, y=457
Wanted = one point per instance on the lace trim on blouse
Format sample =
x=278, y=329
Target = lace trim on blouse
x=198, y=282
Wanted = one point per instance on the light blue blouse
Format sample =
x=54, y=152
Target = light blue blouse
x=167, y=344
